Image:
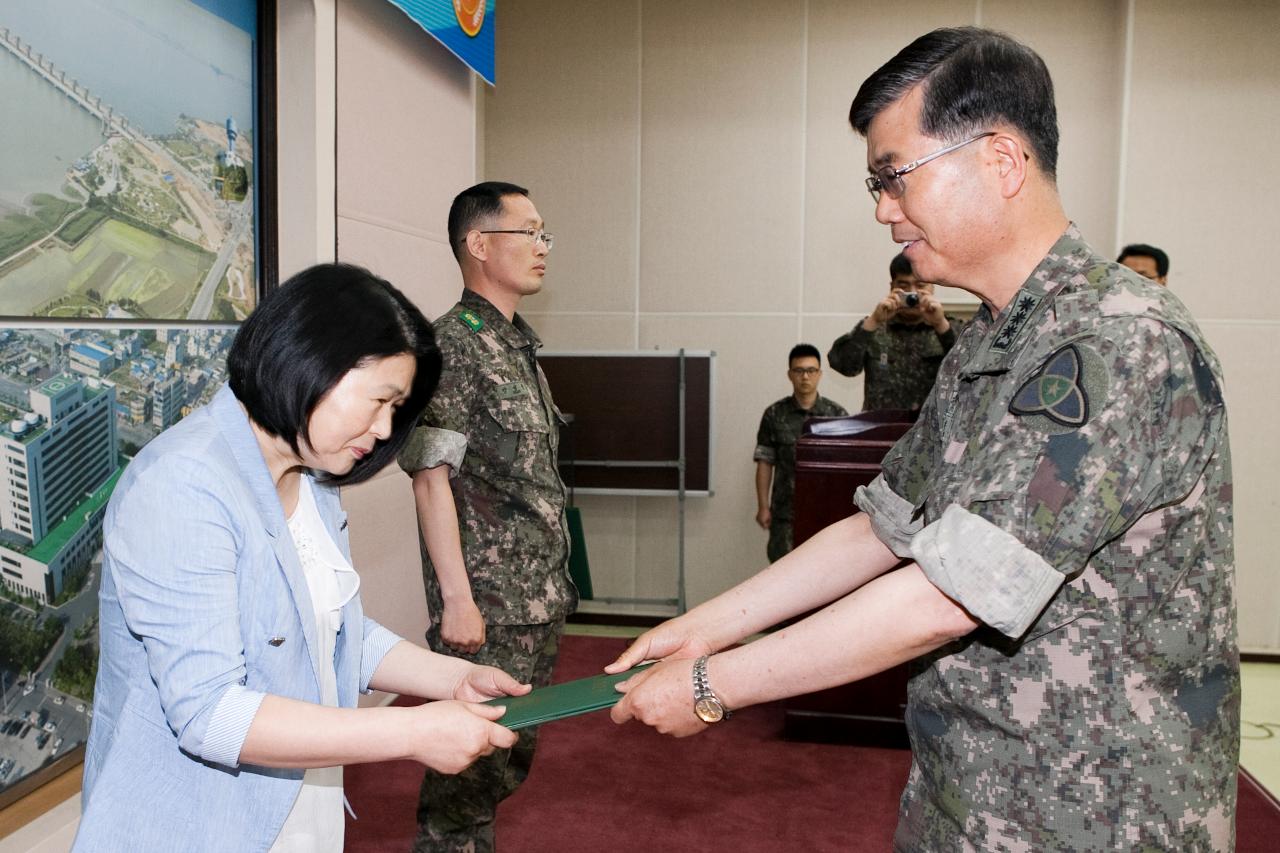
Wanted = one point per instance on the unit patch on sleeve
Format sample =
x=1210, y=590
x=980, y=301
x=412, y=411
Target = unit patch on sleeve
x=472, y=319
x=1058, y=390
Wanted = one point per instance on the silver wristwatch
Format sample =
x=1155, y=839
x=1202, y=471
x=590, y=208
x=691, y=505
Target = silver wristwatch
x=706, y=704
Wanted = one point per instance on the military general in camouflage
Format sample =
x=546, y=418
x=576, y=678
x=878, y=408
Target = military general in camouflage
x=1072, y=479
x=899, y=346
x=491, y=505
x=1062, y=506
x=775, y=453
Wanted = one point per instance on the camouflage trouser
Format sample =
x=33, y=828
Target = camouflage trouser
x=779, y=539
x=456, y=813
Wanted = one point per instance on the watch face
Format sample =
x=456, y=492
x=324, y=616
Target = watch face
x=709, y=710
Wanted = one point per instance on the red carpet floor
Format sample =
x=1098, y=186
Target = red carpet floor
x=738, y=788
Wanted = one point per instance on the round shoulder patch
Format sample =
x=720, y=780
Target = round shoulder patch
x=1057, y=391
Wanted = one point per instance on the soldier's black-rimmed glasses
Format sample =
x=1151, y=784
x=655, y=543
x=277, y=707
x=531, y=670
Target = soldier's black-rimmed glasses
x=888, y=180
x=534, y=235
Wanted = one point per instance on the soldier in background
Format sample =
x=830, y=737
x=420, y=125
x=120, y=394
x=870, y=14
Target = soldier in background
x=899, y=345
x=1146, y=261
x=775, y=453
x=490, y=502
x=1062, y=508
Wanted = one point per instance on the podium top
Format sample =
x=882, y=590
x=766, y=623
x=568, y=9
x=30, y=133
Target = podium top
x=859, y=424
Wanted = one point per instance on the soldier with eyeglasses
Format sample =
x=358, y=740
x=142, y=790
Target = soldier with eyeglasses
x=775, y=453
x=1051, y=543
x=490, y=501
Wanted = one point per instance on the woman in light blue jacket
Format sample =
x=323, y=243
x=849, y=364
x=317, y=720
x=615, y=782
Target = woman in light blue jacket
x=233, y=641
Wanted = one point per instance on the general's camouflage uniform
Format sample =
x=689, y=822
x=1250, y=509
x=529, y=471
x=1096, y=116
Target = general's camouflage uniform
x=780, y=429
x=493, y=422
x=899, y=359
x=1069, y=484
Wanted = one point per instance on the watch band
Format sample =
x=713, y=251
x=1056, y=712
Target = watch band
x=706, y=704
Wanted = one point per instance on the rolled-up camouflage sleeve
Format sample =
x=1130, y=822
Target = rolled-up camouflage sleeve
x=430, y=447
x=890, y=514
x=1000, y=581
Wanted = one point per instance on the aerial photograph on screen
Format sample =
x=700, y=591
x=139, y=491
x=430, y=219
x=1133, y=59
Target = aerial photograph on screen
x=127, y=182
x=75, y=406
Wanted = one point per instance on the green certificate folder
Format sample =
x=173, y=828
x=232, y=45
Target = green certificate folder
x=562, y=700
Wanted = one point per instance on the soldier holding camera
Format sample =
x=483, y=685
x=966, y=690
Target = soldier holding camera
x=899, y=345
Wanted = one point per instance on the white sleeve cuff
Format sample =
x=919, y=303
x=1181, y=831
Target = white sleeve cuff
x=1000, y=581
x=377, y=642
x=430, y=447
x=229, y=725
x=891, y=515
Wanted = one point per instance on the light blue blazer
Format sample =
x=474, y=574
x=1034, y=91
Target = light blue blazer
x=204, y=610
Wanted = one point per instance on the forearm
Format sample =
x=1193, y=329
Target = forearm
x=838, y=559
x=893, y=619
x=290, y=733
x=764, y=479
x=438, y=518
x=416, y=671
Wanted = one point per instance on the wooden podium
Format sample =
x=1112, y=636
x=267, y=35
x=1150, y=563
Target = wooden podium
x=833, y=457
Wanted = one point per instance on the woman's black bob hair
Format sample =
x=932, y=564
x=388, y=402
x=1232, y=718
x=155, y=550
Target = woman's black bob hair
x=303, y=338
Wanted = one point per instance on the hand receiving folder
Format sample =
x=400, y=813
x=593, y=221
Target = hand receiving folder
x=559, y=701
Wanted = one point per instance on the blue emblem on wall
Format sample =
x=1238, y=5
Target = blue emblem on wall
x=465, y=27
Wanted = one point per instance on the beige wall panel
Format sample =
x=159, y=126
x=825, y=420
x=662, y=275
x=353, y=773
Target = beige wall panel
x=723, y=543
x=305, y=129
x=564, y=122
x=1254, y=409
x=421, y=266
x=405, y=120
x=1085, y=54
x=1203, y=182
x=847, y=252
x=721, y=155
x=578, y=332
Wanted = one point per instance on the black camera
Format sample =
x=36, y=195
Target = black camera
x=909, y=299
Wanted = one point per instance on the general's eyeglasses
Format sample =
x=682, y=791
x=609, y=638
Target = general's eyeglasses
x=534, y=235
x=888, y=180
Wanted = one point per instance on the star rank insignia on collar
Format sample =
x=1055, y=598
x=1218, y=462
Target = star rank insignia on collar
x=472, y=319
x=1018, y=316
x=1055, y=391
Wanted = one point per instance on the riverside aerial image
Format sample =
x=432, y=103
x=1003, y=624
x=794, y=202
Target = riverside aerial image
x=127, y=182
x=76, y=404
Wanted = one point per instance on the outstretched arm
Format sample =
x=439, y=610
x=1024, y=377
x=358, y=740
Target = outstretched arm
x=890, y=620
x=833, y=563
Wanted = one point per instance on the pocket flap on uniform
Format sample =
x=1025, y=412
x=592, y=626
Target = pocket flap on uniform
x=518, y=417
